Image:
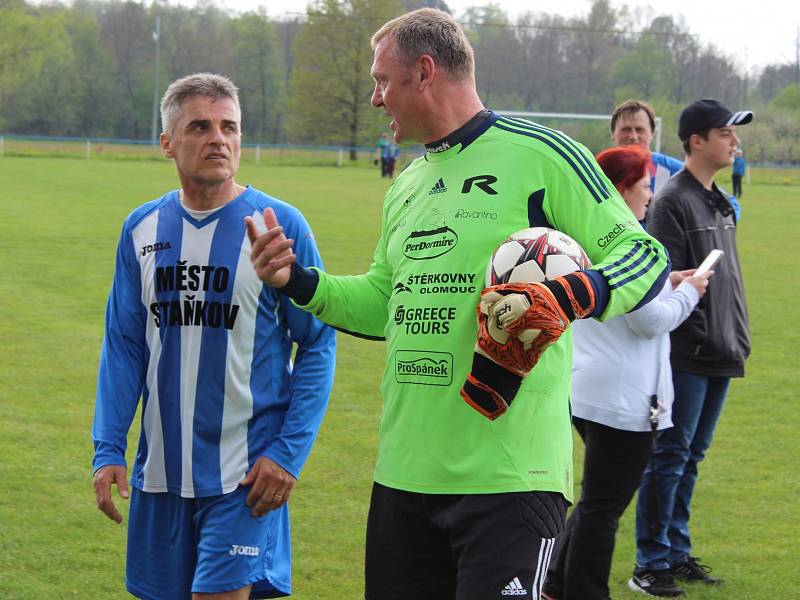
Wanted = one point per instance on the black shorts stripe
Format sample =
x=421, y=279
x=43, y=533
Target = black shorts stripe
x=542, y=563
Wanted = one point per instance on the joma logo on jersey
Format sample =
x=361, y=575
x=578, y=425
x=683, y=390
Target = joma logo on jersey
x=243, y=550
x=155, y=247
x=423, y=367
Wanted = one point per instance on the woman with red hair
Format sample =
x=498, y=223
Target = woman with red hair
x=621, y=394
x=627, y=168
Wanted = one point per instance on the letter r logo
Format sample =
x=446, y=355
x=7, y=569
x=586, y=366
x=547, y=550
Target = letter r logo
x=482, y=182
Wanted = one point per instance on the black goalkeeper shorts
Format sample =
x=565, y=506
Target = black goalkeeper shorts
x=460, y=546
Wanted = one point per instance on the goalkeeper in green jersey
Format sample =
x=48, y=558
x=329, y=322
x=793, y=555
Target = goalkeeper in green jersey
x=474, y=466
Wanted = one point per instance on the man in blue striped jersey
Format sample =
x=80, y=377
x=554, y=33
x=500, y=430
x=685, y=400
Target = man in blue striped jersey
x=633, y=123
x=228, y=419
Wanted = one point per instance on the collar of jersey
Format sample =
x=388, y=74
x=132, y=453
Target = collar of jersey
x=176, y=197
x=444, y=154
x=462, y=137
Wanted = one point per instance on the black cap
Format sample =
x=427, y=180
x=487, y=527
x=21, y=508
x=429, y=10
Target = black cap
x=705, y=114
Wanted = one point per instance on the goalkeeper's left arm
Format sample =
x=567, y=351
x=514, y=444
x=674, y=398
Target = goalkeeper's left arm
x=516, y=323
x=630, y=268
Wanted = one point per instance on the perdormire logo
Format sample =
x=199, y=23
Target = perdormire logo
x=423, y=367
x=431, y=239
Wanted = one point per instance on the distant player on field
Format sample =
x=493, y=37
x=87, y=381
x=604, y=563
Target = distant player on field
x=634, y=122
x=227, y=419
x=467, y=507
x=739, y=170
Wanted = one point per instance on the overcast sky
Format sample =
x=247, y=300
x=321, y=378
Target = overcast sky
x=753, y=33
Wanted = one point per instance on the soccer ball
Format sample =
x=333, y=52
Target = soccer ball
x=534, y=255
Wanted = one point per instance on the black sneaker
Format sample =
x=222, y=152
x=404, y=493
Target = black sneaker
x=692, y=570
x=654, y=583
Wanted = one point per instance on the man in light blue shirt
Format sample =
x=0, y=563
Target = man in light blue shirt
x=634, y=122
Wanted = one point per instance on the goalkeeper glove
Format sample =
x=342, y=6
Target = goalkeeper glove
x=516, y=323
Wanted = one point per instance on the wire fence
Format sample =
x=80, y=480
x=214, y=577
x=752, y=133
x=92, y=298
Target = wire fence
x=36, y=146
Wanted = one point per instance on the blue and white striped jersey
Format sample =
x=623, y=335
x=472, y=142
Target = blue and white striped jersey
x=661, y=168
x=192, y=331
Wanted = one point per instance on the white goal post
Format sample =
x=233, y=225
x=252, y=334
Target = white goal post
x=595, y=117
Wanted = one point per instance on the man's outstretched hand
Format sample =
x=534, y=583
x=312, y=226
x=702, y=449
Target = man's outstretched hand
x=270, y=250
x=103, y=478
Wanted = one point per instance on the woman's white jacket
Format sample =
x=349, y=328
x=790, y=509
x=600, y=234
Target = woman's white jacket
x=620, y=364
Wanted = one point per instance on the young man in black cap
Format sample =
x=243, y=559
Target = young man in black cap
x=691, y=216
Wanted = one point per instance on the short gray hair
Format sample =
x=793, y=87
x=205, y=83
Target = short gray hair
x=210, y=85
x=433, y=32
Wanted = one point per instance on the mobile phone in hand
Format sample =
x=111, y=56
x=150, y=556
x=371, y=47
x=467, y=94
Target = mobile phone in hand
x=709, y=261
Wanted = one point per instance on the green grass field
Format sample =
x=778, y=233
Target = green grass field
x=58, y=232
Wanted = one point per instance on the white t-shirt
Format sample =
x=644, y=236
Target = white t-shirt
x=618, y=365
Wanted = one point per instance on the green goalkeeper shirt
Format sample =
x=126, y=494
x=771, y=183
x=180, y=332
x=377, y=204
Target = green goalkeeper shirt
x=442, y=219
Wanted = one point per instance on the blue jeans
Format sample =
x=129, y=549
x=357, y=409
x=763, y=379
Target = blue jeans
x=665, y=496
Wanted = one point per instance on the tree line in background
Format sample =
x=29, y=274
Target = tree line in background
x=87, y=69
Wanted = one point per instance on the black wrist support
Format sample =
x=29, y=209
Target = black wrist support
x=302, y=284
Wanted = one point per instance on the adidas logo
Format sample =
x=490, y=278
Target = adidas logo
x=514, y=588
x=438, y=188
